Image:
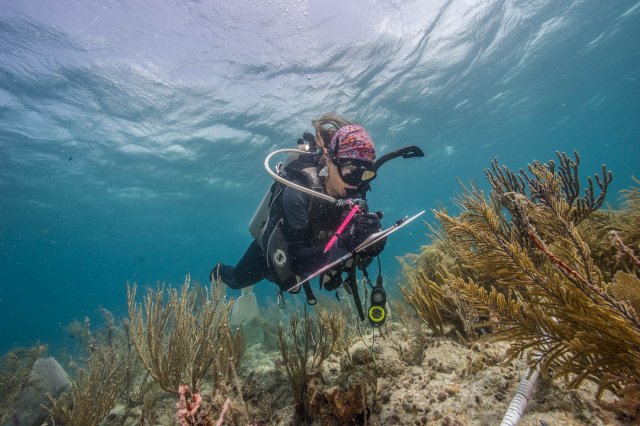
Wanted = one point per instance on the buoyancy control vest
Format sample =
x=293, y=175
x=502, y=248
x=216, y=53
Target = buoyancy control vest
x=272, y=237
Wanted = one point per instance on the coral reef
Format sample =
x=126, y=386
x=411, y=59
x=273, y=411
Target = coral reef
x=406, y=376
x=304, y=347
x=613, y=235
x=436, y=304
x=524, y=265
x=185, y=337
x=95, y=391
x=15, y=367
x=402, y=374
x=532, y=274
x=15, y=377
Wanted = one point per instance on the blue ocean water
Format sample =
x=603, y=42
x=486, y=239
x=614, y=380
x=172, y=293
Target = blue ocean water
x=132, y=134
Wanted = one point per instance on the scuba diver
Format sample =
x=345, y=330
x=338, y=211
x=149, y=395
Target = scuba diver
x=314, y=214
x=340, y=168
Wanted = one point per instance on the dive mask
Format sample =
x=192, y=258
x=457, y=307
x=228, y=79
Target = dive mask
x=354, y=172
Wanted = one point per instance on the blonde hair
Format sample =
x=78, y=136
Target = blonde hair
x=327, y=125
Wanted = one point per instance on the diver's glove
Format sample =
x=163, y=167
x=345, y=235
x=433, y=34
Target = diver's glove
x=361, y=228
x=331, y=279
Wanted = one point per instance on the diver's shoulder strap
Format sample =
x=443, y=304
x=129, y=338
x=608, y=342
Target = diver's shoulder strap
x=307, y=168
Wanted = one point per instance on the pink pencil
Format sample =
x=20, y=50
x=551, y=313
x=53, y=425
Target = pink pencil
x=343, y=225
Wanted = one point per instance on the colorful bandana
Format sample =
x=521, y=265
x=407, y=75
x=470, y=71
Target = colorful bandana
x=353, y=142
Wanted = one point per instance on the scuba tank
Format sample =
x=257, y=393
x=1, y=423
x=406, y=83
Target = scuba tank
x=260, y=216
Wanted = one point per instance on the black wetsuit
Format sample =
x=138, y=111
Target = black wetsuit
x=308, y=224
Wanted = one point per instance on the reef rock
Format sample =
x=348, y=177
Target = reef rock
x=47, y=377
x=347, y=403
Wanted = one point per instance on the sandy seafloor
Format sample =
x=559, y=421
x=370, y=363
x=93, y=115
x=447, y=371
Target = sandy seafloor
x=421, y=381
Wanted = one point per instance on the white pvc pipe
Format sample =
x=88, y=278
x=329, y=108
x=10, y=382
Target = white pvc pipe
x=291, y=184
x=518, y=404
